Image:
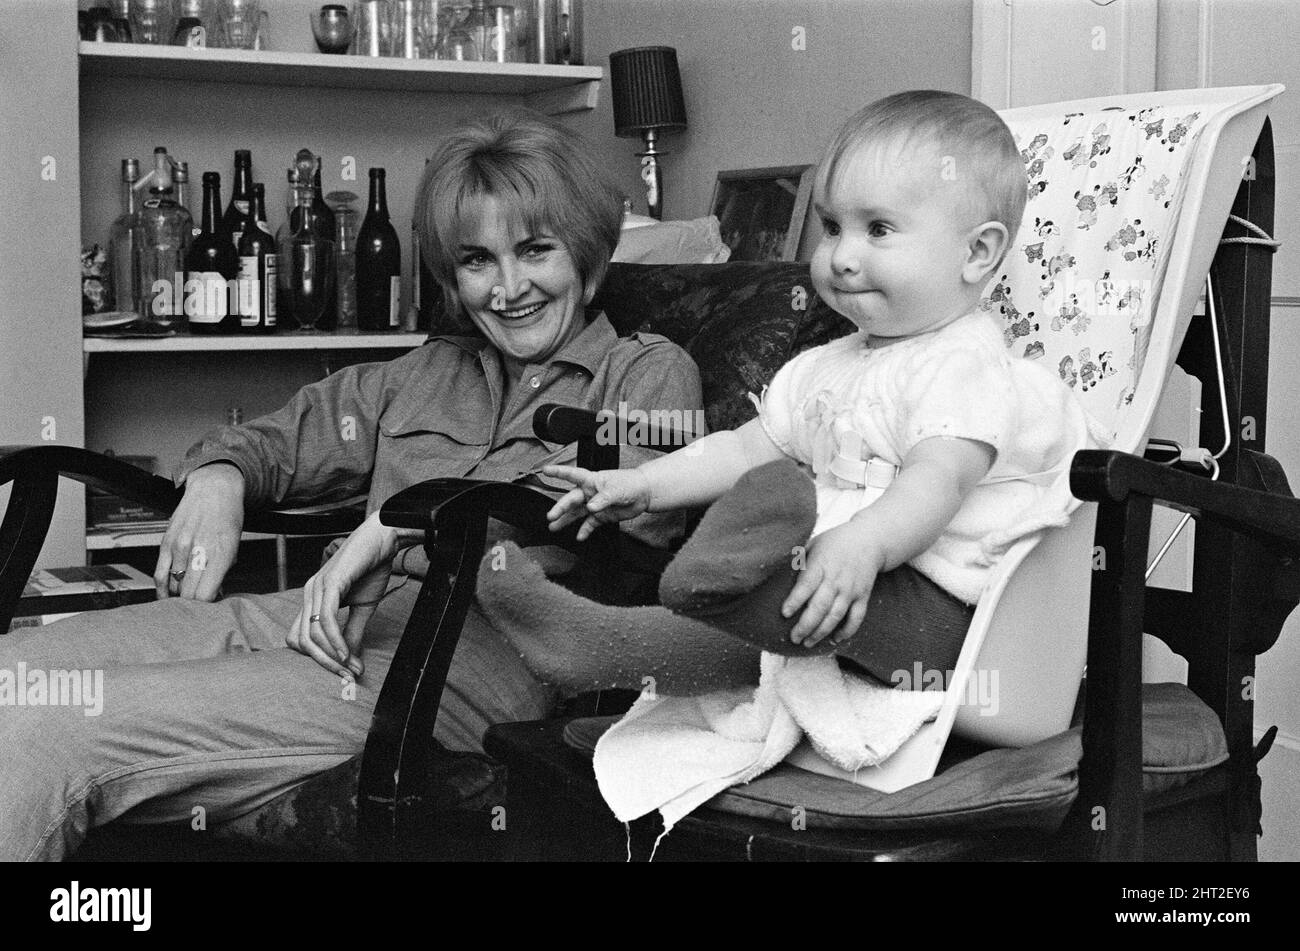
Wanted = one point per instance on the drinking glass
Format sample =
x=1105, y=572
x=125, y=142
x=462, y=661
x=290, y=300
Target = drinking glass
x=500, y=46
x=237, y=23
x=152, y=21
x=430, y=16
x=374, y=28
x=332, y=27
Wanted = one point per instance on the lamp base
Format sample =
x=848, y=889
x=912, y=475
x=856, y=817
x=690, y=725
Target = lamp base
x=652, y=175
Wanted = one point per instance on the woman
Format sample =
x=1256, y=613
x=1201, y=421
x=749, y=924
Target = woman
x=213, y=709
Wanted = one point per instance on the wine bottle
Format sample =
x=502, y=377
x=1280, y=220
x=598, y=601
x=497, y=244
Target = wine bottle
x=257, y=270
x=379, y=263
x=164, y=238
x=327, y=226
x=182, y=176
x=124, y=243
x=241, y=196
x=211, y=267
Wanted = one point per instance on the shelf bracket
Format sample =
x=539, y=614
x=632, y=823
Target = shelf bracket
x=578, y=97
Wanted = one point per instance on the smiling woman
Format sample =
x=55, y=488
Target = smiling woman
x=248, y=697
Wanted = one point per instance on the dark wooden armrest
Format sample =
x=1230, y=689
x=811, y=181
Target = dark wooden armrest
x=1271, y=516
x=592, y=431
x=35, y=472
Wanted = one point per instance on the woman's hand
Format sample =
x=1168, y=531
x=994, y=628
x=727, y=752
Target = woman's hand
x=835, y=586
x=202, y=537
x=356, y=576
x=610, y=495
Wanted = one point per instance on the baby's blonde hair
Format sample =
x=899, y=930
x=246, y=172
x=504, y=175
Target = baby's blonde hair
x=967, y=138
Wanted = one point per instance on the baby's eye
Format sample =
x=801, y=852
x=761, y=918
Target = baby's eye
x=877, y=229
x=830, y=228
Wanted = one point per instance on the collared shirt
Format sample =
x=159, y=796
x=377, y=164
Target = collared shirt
x=442, y=411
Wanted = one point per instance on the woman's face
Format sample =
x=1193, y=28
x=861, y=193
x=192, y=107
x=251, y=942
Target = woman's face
x=521, y=290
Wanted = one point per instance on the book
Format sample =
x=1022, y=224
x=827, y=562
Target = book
x=52, y=594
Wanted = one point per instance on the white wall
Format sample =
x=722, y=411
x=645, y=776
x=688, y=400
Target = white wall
x=40, y=298
x=752, y=99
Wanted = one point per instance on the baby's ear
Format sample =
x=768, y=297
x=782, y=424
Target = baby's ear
x=987, y=245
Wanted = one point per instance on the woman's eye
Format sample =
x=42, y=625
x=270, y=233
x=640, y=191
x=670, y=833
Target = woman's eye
x=536, y=250
x=474, y=259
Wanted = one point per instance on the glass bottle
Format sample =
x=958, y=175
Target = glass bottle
x=164, y=235
x=124, y=243
x=379, y=264
x=182, y=175
x=211, y=269
x=283, y=237
x=257, y=270
x=345, y=266
x=241, y=196
x=310, y=264
x=326, y=228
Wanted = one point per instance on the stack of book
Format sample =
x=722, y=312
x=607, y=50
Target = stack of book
x=51, y=594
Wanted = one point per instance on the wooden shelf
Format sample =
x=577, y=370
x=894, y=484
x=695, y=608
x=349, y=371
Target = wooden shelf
x=184, y=343
x=103, y=540
x=554, y=90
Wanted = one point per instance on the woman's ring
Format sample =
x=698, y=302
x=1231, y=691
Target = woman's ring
x=314, y=619
x=178, y=575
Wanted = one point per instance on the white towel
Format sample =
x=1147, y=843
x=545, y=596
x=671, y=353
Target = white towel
x=675, y=753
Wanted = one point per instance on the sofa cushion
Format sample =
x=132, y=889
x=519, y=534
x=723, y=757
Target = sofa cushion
x=740, y=322
x=1028, y=788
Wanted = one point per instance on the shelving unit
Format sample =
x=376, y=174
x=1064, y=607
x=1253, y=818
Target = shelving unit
x=554, y=90
x=155, y=396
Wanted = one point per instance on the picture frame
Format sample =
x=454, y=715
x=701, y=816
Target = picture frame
x=761, y=211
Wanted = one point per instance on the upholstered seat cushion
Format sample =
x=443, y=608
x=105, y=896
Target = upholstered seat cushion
x=1028, y=788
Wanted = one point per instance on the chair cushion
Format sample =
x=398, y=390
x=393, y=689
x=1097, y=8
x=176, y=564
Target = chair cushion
x=1027, y=788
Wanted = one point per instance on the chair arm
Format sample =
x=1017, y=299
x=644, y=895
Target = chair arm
x=392, y=796
x=35, y=471
x=1269, y=516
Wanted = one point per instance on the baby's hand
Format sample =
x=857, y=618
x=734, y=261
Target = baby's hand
x=835, y=585
x=610, y=495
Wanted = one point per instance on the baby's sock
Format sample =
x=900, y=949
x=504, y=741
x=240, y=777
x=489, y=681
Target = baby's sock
x=578, y=644
x=737, y=568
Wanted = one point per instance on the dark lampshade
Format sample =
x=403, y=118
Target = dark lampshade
x=647, y=90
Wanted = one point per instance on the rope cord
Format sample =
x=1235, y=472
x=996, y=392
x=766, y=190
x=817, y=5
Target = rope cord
x=1262, y=237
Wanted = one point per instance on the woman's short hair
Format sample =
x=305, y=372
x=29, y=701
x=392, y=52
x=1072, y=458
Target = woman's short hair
x=540, y=171
x=969, y=142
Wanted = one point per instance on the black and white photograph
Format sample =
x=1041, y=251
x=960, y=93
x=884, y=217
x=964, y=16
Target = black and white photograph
x=533, y=431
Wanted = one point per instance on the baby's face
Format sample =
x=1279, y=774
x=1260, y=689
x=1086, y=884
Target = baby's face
x=893, y=246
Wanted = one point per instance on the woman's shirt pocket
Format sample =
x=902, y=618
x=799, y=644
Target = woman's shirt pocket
x=428, y=438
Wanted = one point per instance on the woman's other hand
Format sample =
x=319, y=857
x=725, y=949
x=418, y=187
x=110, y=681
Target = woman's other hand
x=611, y=495
x=356, y=577
x=202, y=537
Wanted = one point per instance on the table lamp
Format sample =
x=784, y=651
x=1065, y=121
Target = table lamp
x=647, y=91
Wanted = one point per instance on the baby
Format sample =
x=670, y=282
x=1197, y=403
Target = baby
x=930, y=447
